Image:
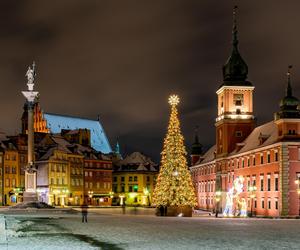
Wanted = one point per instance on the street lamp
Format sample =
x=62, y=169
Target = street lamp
x=297, y=182
x=252, y=190
x=90, y=193
x=218, y=198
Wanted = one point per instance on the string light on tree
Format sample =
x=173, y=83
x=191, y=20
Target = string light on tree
x=174, y=186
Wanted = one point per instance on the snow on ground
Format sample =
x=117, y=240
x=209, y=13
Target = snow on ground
x=138, y=231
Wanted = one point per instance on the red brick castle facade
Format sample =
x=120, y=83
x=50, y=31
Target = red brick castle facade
x=267, y=157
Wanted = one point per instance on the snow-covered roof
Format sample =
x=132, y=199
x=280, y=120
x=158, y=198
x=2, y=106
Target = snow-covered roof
x=99, y=141
x=137, y=158
x=261, y=136
x=136, y=162
x=208, y=156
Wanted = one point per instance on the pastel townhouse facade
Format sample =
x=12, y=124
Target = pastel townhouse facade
x=266, y=159
x=134, y=179
x=97, y=179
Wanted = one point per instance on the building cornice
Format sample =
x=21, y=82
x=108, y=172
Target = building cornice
x=234, y=88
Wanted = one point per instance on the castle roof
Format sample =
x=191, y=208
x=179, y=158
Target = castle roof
x=99, y=141
x=261, y=136
x=209, y=155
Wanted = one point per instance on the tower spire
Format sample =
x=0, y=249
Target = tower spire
x=196, y=146
x=235, y=40
x=289, y=87
x=196, y=141
x=235, y=70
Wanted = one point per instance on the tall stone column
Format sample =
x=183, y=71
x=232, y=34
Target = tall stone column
x=30, y=193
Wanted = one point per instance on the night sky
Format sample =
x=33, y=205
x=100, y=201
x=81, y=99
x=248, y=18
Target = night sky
x=122, y=59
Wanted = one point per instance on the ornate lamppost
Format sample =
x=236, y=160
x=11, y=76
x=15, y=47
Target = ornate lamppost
x=252, y=190
x=30, y=193
x=90, y=193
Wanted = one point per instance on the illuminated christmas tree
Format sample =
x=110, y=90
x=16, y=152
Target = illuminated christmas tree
x=174, y=186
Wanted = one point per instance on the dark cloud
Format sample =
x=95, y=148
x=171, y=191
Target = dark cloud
x=121, y=60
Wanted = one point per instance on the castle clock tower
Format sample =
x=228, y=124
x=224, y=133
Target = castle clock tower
x=235, y=119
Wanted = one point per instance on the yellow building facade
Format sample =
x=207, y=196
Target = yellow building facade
x=11, y=176
x=53, y=177
x=134, y=179
x=134, y=188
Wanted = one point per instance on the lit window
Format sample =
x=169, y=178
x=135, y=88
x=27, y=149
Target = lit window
x=6, y=182
x=13, y=182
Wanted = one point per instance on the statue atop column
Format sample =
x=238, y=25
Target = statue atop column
x=30, y=193
x=30, y=74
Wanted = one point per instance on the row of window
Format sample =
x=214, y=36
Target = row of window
x=106, y=185
x=10, y=170
x=77, y=171
x=131, y=188
x=61, y=156
x=263, y=205
x=76, y=159
x=97, y=164
x=77, y=182
x=130, y=178
x=58, y=181
x=10, y=157
x=11, y=182
x=206, y=186
x=270, y=184
x=58, y=168
x=251, y=160
x=241, y=162
x=97, y=173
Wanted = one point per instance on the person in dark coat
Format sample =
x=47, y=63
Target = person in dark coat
x=84, y=212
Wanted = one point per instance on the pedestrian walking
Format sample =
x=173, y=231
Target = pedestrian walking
x=84, y=212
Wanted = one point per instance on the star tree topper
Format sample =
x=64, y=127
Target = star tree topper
x=173, y=100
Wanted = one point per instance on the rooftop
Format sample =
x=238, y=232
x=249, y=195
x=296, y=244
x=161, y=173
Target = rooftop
x=99, y=141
